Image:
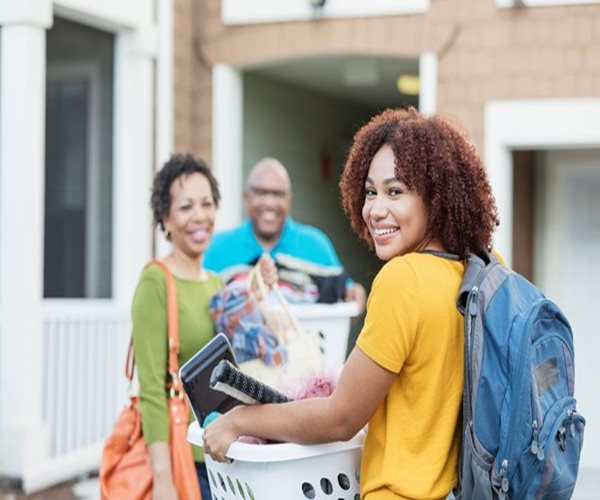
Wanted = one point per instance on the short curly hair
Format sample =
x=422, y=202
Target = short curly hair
x=436, y=160
x=178, y=165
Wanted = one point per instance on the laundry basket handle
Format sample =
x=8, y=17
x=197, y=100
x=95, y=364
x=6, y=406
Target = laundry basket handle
x=257, y=276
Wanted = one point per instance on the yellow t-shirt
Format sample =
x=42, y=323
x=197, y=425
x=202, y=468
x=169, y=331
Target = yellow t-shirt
x=414, y=329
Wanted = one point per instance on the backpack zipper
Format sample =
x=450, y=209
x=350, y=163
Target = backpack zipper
x=537, y=305
x=504, y=483
x=535, y=447
x=557, y=428
x=511, y=433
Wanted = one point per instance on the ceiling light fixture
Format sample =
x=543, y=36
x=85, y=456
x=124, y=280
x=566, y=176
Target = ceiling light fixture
x=408, y=84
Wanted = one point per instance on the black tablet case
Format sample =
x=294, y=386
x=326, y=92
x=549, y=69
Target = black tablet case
x=195, y=377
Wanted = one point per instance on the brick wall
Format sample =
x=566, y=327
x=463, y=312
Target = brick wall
x=484, y=53
x=192, y=79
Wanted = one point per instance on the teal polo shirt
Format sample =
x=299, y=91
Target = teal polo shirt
x=240, y=246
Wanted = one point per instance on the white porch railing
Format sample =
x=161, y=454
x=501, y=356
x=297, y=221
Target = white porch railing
x=83, y=386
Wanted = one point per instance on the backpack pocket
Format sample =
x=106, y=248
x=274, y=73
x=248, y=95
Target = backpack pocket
x=554, y=475
x=476, y=471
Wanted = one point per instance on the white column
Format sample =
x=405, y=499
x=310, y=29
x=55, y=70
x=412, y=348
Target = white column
x=133, y=157
x=22, y=114
x=428, y=83
x=227, y=116
x=164, y=101
x=498, y=161
x=164, y=83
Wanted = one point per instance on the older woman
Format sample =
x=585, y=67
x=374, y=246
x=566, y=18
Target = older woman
x=184, y=201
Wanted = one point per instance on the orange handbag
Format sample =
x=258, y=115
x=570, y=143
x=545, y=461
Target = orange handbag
x=125, y=471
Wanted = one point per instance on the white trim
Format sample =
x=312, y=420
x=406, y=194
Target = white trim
x=58, y=308
x=531, y=124
x=109, y=15
x=26, y=12
x=428, y=82
x=227, y=126
x=269, y=11
x=507, y=4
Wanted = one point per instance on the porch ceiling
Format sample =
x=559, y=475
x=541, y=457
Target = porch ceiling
x=368, y=80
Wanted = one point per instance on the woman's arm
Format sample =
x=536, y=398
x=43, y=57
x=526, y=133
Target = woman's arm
x=362, y=386
x=150, y=348
x=163, y=487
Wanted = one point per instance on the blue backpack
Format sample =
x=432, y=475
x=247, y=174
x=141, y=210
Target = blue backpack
x=522, y=434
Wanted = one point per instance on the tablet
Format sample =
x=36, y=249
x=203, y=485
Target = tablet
x=195, y=377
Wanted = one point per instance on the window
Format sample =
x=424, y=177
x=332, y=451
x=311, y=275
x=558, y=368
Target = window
x=78, y=177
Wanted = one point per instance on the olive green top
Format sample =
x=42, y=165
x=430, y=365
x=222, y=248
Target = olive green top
x=149, y=314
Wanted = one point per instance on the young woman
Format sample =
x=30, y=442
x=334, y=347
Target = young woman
x=416, y=191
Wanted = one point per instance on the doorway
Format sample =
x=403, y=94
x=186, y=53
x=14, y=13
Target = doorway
x=556, y=239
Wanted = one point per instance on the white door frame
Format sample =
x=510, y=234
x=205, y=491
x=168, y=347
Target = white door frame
x=227, y=141
x=531, y=124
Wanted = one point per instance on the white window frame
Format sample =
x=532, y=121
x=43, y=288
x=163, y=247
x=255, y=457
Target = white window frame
x=271, y=11
x=507, y=4
x=140, y=40
x=109, y=15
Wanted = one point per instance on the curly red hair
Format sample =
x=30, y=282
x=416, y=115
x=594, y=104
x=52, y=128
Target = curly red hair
x=436, y=160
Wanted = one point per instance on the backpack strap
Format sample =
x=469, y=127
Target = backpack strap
x=476, y=262
x=443, y=255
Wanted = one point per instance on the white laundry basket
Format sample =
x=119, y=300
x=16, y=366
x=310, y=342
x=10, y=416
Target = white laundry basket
x=285, y=471
x=332, y=324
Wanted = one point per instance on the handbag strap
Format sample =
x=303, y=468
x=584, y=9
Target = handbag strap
x=172, y=331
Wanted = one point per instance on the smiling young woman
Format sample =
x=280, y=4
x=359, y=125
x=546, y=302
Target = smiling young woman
x=395, y=215
x=416, y=191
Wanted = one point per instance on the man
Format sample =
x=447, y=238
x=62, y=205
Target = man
x=269, y=228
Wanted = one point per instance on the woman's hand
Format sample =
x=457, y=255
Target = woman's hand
x=356, y=293
x=268, y=269
x=219, y=435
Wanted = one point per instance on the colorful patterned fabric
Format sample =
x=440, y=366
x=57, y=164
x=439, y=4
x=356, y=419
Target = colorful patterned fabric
x=235, y=312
